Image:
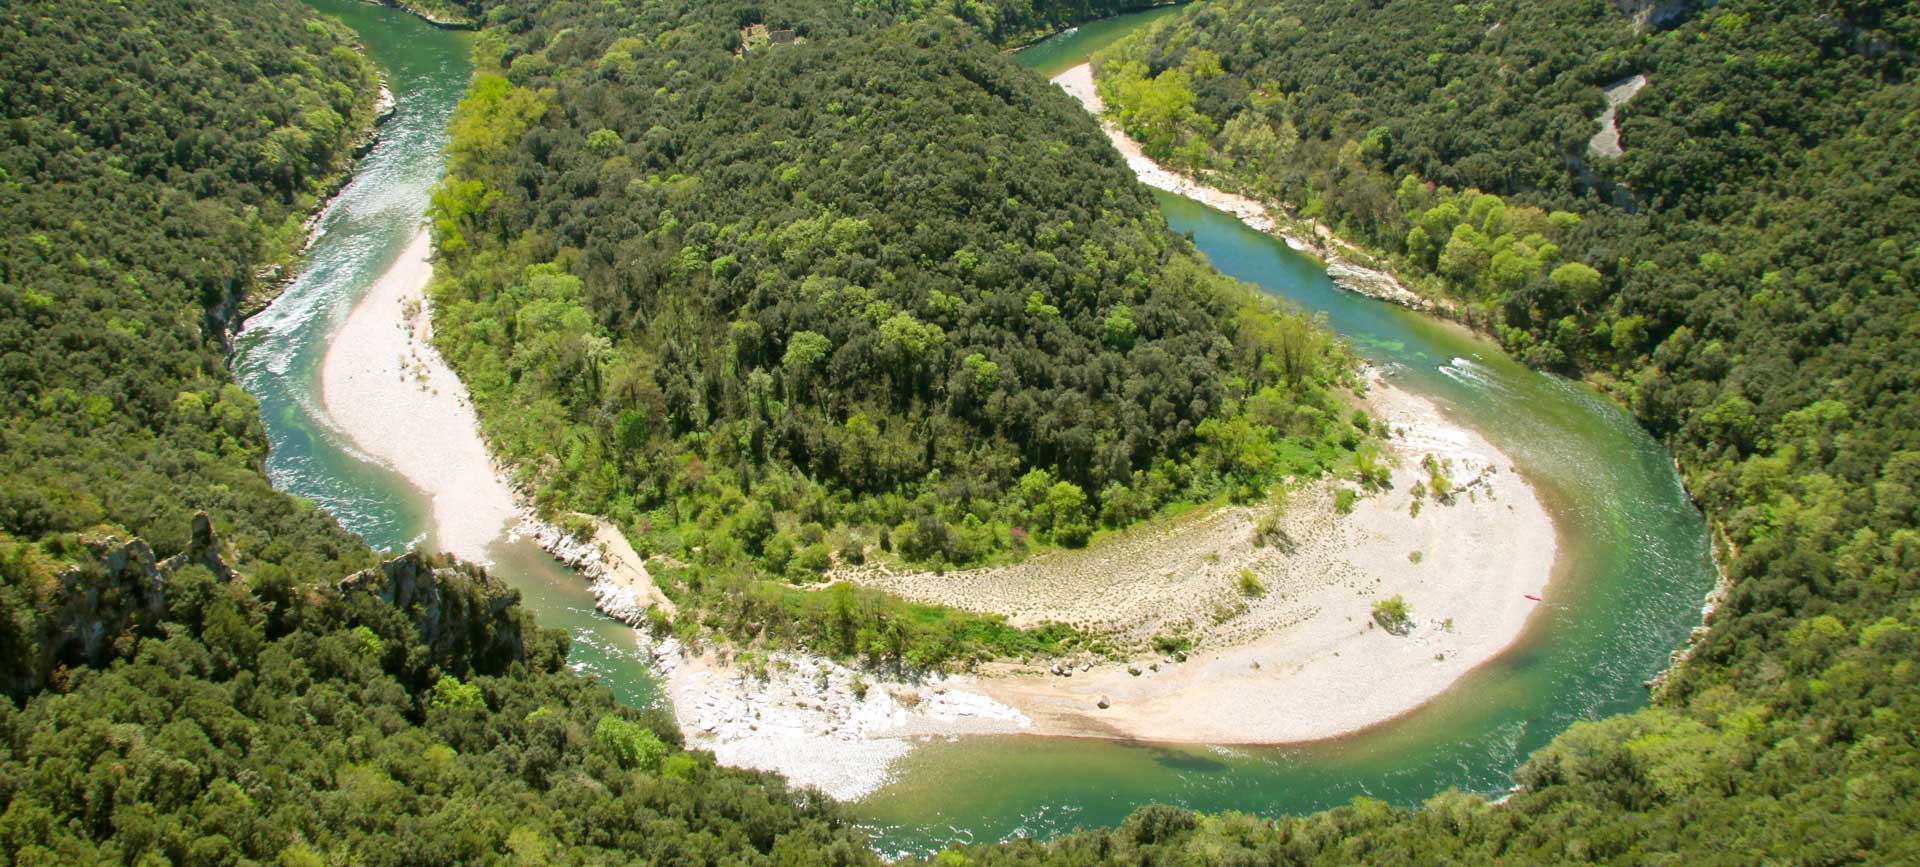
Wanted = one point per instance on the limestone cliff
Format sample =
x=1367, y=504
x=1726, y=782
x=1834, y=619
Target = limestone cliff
x=467, y=619
x=113, y=592
x=1660, y=14
x=98, y=608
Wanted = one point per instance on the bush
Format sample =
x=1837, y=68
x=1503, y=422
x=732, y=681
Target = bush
x=451, y=693
x=1250, y=584
x=632, y=745
x=1393, y=615
x=1271, y=529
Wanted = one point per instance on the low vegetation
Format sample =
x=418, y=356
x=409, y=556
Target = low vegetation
x=1393, y=614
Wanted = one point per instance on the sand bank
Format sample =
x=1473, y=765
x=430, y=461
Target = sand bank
x=816, y=722
x=1339, y=255
x=384, y=385
x=386, y=388
x=1295, y=663
x=1301, y=661
x=1304, y=660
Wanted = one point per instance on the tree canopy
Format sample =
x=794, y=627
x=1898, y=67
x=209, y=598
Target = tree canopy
x=212, y=693
x=1743, y=277
x=876, y=294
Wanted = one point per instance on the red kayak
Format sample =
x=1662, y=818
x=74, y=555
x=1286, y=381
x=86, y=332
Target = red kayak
x=1531, y=596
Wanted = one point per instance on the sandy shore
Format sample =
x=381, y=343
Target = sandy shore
x=816, y=722
x=1339, y=256
x=1298, y=662
x=1304, y=660
x=384, y=386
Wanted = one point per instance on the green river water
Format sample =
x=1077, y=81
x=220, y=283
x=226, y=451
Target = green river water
x=1634, y=565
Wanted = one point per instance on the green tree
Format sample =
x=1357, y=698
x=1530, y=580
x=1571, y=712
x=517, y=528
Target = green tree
x=630, y=744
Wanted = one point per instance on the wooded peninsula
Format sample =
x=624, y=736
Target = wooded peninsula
x=865, y=347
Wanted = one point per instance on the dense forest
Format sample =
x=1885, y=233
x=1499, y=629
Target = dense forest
x=257, y=688
x=156, y=158
x=1743, y=276
x=877, y=294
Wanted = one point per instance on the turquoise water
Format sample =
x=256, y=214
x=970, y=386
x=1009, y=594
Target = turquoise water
x=277, y=357
x=1635, y=565
x=1063, y=51
x=1635, y=558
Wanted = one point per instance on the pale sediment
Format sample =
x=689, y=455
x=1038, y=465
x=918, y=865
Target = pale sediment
x=1347, y=274
x=384, y=386
x=816, y=722
x=1297, y=661
x=1300, y=660
x=621, y=586
x=1606, y=142
x=1300, y=657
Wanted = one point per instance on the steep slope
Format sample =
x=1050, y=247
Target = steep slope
x=250, y=685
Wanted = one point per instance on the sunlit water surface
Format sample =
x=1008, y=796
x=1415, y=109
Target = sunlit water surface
x=1635, y=560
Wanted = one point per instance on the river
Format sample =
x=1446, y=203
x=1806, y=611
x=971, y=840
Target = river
x=1635, y=555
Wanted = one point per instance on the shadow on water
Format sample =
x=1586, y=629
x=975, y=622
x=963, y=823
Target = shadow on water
x=1635, y=551
x=277, y=357
x=1634, y=565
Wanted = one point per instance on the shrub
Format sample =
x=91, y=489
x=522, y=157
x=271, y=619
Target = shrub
x=451, y=693
x=1250, y=585
x=1393, y=615
x=632, y=745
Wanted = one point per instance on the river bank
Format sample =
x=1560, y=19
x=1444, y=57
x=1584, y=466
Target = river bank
x=1302, y=660
x=385, y=388
x=1635, y=549
x=1305, y=659
x=273, y=278
x=814, y=721
x=1338, y=256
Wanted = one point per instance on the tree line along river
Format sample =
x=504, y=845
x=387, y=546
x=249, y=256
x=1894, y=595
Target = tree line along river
x=1635, y=559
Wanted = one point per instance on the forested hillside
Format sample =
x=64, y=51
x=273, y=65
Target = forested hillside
x=881, y=293
x=221, y=696
x=1743, y=277
x=156, y=156
x=640, y=218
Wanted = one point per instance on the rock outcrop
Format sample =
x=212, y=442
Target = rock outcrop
x=100, y=607
x=622, y=588
x=1657, y=14
x=467, y=619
